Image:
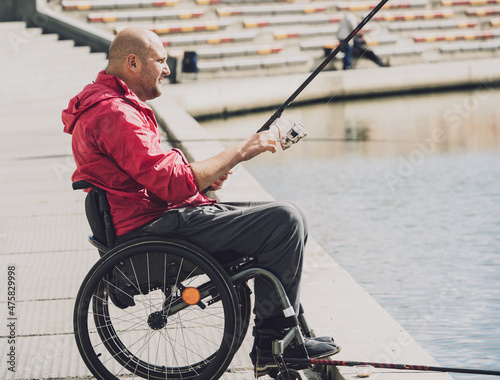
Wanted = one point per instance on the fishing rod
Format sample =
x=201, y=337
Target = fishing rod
x=298, y=131
x=409, y=367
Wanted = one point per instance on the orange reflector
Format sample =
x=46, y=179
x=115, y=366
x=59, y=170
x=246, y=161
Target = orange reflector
x=191, y=296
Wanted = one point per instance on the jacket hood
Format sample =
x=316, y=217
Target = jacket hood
x=105, y=87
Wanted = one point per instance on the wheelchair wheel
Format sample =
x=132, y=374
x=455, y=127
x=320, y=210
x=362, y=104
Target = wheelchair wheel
x=157, y=309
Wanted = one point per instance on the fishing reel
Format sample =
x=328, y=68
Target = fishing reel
x=295, y=133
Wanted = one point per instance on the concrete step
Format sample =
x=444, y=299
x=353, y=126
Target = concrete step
x=12, y=24
x=30, y=38
x=33, y=48
x=16, y=111
x=39, y=76
x=61, y=62
x=50, y=62
x=51, y=91
x=44, y=88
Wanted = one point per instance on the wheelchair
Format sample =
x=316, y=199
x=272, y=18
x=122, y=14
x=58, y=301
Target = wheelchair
x=161, y=308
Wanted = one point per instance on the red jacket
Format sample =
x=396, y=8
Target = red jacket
x=116, y=146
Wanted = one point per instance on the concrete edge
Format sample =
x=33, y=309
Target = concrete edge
x=230, y=96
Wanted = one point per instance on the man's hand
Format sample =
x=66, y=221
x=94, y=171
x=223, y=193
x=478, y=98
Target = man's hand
x=258, y=143
x=217, y=185
x=214, y=170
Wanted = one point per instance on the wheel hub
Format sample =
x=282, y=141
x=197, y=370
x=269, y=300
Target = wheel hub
x=157, y=320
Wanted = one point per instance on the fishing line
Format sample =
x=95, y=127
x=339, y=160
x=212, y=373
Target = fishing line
x=409, y=367
x=310, y=139
x=320, y=68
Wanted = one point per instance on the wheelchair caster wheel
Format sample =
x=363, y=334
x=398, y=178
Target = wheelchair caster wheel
x=294, y=375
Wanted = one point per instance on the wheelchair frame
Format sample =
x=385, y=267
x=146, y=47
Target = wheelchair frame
x=145, y=295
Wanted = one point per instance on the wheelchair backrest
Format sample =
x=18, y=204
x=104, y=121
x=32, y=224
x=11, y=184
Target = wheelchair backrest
x=98, y=214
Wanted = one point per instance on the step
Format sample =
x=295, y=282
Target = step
x=483, y=11
x=412, y=15
x=53, y=54
x=53, y=90
x=12, y=26
x=260, y=22
x=469, y=46
x=248, y=64
x=425, y=25
x=234, y=51
x=211, y=39
x=37, y=48
x=457, y=36
x=114, y=4
x=58, y=49
x=151, y=15
x=355, y=6
x=54, y=62
x=27, y=39
x=400, y=51
x=43, y=75
x=274, y=9
x=184, y=27
x=306, y=32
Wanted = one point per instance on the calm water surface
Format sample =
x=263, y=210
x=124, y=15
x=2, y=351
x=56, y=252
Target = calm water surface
x=404, y=192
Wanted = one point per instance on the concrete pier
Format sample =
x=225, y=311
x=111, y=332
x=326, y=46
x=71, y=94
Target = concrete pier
x=44, y=231
x=335, y=304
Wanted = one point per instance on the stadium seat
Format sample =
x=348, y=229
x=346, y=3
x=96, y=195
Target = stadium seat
x=201, y=26
x=152, y=15
x=367, y=5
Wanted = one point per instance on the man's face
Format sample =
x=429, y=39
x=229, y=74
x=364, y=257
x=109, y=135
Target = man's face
x=152, y=72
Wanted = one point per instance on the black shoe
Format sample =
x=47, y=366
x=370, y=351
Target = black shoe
x=313, y=348
x=387, y=63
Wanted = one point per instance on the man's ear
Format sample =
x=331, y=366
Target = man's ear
x=133, y=63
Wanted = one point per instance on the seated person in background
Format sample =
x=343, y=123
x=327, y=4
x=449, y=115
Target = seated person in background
x=116, y=146
x=356, y=47
x=346, y=26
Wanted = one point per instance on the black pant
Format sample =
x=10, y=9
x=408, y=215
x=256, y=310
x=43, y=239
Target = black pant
x=362, y=52
x=274, y=233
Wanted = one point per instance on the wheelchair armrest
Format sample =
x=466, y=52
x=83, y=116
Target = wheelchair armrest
x=80, y=185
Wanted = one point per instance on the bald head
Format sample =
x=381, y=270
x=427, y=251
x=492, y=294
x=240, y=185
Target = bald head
x=129, y=41
x=137, y=57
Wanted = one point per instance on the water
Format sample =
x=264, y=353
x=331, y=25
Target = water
x=404, y=192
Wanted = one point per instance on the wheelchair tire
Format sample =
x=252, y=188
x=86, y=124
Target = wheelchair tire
x=156, y=309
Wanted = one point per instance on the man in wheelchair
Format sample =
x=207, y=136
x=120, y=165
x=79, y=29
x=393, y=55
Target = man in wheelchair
x=116, y=146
